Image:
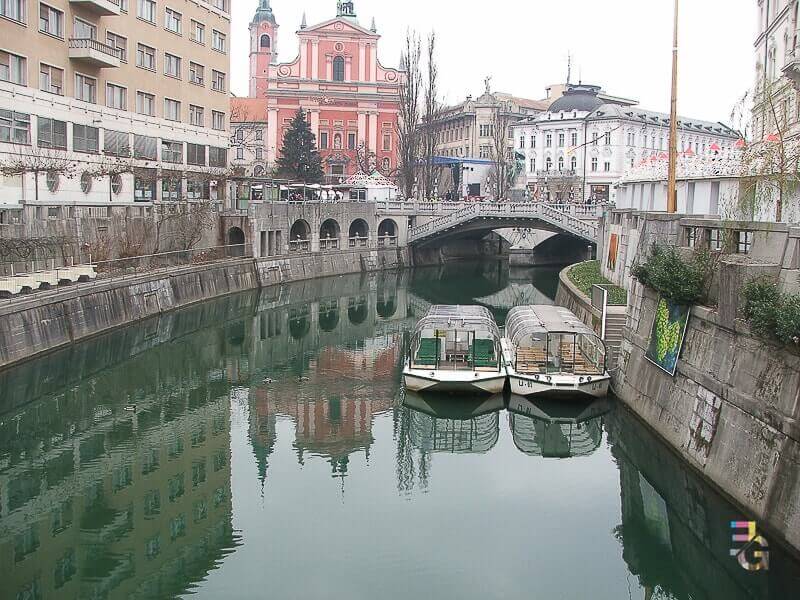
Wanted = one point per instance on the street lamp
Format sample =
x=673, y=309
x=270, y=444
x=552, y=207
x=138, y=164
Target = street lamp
x=465, y=169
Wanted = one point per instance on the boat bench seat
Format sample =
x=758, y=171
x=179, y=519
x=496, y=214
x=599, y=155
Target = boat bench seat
x=428, y=352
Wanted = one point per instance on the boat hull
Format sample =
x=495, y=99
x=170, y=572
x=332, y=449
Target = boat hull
x=448, y=381
x=560, y=386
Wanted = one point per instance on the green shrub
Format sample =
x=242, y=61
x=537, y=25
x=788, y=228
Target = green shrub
x=683, y=282
x=772, y=314
x=586, y=274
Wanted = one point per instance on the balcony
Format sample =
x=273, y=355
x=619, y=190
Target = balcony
x=94, y=53
x=102, y=8
x=792, y=70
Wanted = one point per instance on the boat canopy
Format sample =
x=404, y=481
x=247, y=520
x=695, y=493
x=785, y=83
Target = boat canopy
x=526, y=325
x=463, y=318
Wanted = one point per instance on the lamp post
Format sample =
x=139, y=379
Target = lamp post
x=672, y=184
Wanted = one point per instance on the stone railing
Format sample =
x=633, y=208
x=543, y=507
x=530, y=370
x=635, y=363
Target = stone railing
x=551, y=214
x=588, y=211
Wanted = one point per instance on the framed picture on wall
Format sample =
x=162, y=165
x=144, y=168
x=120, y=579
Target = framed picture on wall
x=667, y=335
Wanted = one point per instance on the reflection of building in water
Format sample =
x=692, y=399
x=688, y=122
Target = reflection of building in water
x=675, y=530
x=430, y=423
x=556, y=430
x=106, y=503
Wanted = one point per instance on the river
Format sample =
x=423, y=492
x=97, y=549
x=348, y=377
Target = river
x=260, y=446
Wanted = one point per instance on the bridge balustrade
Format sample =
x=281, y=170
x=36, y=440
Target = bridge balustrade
x=299, y=246
x=329, y=244
x=358, y=242
x=387, y=240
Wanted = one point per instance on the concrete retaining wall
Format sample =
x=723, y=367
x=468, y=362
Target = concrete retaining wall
x=40, y=323
x=732, y=410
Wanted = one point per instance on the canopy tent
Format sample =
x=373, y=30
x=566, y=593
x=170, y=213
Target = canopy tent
x=372, y=188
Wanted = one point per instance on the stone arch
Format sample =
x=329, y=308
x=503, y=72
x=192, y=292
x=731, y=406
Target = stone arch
x=386, y=306
x=387, y=227
x=236, y=241
x=329, y=316
x=330, y=229
x=299, y=326
x=359, y=229
x=300, y=236
x=357, y=310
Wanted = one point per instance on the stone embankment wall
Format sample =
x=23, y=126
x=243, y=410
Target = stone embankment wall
x=732, y=410
x=32, y=325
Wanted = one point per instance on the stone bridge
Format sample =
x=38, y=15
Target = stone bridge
x=579, y=221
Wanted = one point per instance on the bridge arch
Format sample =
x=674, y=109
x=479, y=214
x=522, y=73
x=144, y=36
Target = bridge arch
x=300, y=230
x=359, y=229
x=386, y=306
x=357, y=310
x=387, y=228
x=329, y=316
x=330, y=230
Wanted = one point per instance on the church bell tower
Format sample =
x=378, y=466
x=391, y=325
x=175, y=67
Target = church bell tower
x=263, y=47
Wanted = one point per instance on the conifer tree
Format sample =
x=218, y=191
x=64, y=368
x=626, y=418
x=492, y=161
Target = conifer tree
x=299, y=159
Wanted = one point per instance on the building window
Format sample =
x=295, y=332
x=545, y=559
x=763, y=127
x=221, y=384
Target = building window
x=607, y=139
x=594, y=164
x=338, y=68
x=265, y=42
x=239, y=153
x=548, y=140
x=116, y=184
x=145, y=147
x=145, y=104
x=53, y=180
x=522, y=142
x=85, y=88
x=172, y=189
x=573, y=164
x=196, y=115
x=13, y=9
x=172, y=65
x=533, y=165
x=218, y=120
x=594, y=139
x=51, y=21
x=716, y=239
x=606, y=166
x=51, y=133
x=573, y=139
x=560, y=163
x=13, y=68
x=691, y=237
x=198, y=33
x=387, y=142
x=172, y=21
x=351, y=141
x=119, y=43
x=548, y=164
x=217, y=81
x=218, y=41
x=172, y=109
x=116, y=97
x=86, y=182
x=259, y=154
x=84, y=30
x=171, y=152
x=533, y=141
x=217, y=157
x=144, y=190
x=560, y=140
x=323, y=140
x=116, y=143
x=744, y=241
x=146, y=57
x=196, y=154
x=259, y=135
x=85, y=138
x=196, y=73
x=146, y=10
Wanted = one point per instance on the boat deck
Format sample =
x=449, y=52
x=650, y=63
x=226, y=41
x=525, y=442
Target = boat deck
x=533, y=361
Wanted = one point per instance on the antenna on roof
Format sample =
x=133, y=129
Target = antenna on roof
x=569, y=68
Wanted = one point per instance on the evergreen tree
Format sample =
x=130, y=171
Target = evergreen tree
x=299, y=159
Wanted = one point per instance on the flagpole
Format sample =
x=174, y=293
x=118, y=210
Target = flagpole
x=672, y=186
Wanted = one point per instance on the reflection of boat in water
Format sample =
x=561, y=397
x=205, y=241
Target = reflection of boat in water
x=456, y=349
x=549, y=351
x=440, y=424
x=553, y=429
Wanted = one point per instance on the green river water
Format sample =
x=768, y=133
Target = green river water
x=260, y=446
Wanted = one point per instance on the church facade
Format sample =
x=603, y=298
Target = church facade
x=351, y=101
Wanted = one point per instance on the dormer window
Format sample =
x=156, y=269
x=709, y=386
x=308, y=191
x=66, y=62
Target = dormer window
x=338, y=68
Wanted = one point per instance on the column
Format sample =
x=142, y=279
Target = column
x=373, y=131
x=303, y=59
x=372, y=75
x=315, y=59
x=362, y=62
x=362, y=127
x=315, y=122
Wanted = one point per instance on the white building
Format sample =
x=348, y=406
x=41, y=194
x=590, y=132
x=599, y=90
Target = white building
x=586, y=141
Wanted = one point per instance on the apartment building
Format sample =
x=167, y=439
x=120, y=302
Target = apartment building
x=112, y=101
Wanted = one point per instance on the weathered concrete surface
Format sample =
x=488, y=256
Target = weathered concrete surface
x=32, y=325
x=732, y=410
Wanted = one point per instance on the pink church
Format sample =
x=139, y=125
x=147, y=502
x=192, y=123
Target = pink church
x=350, y=99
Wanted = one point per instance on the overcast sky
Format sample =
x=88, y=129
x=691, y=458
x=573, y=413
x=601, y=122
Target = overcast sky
x=623, y=45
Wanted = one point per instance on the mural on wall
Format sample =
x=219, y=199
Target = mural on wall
x=613, y=250
x=667, y=335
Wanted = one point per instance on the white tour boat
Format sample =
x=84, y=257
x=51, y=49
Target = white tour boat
x=549, y=351
x=455, y=349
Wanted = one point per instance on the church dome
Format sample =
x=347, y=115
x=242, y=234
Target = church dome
x=577, y=98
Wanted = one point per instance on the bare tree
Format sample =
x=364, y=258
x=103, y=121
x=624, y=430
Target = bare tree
x=502, y=160
x=430, y=118
x=367, y=159
x=409, y=118
x=24, y=160
x=770, y=164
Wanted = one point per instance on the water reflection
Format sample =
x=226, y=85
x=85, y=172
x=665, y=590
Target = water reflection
x=555, y=429
x=260, y=409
